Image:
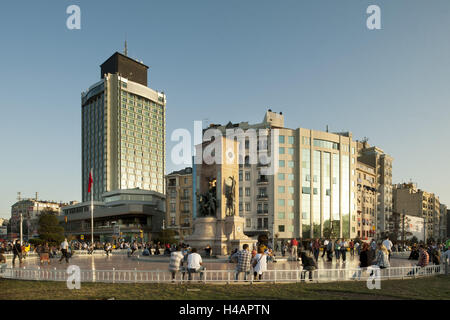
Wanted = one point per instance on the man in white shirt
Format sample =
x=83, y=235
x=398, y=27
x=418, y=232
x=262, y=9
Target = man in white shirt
x=194, y=264
x=388, y=244
x=64, y=247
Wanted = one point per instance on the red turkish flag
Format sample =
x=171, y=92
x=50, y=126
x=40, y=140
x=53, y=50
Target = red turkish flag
x=91, y=181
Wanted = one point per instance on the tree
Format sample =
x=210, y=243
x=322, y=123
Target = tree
x=49, y=228
x=167, y=236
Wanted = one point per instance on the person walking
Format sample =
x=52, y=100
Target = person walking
x=316, y=249
x=176, y=262
x=330, y=249
x=64, y=246
x=325, y=244
x=244, y=258
x=259, y=264
x=17, y=252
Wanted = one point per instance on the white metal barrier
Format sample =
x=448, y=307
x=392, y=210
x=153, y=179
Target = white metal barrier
x=227, y=276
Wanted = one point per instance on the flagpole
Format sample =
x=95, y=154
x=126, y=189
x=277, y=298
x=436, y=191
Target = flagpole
x=92, y=214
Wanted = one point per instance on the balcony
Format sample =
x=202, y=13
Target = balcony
x=262, y=211
x=185, y=198
x=185, y=211
x=262, y=197
x=262, y=181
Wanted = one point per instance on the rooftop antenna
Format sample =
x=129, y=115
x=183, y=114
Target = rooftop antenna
x=19, y=196
x=327, y=128
x=125, y=51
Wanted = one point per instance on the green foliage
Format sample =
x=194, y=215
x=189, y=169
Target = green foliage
x=167, y=236
x=49, y=228
x=36, y=242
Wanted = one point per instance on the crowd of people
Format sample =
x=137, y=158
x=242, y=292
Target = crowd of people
x=249, y=261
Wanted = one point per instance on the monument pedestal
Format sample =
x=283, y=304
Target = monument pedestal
x=223, y=235
x=217, y=186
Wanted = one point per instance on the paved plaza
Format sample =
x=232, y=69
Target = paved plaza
x=122, y=262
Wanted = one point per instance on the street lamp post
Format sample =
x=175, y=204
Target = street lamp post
x=21, y=228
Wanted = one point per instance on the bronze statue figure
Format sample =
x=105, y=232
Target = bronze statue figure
x=230, y=189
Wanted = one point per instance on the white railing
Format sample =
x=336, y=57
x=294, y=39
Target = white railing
x=215, y=276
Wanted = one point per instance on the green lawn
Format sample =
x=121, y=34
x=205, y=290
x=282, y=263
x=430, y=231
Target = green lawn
x=426, y=288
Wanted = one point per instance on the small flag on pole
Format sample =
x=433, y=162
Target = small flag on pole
x=90, y=182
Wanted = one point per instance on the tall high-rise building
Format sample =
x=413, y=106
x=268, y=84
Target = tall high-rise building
x=123, y=130
x=313, y=192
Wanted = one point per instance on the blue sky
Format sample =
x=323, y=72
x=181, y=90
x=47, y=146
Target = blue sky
x=226, y=61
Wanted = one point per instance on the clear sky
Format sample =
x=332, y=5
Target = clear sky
x=228, y=60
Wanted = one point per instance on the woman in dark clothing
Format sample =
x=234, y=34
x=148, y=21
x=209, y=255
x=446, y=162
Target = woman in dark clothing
x=309, y=264
x=365, y=260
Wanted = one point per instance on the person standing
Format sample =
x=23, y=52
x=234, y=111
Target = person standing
x=382, y=260
x=388, y=244
x=337, y=249
x=351, y=245
x=244, y=258
x=294, y=248
x=64, y=246
x=17, y=252
x=343, y=246
x=176, y=262
x=259, y=264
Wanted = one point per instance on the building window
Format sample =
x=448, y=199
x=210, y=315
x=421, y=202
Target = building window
x=281, y=228
x=281, y=189
x=247, y=176
x=281, y=150
x=281, y=164
x=247, y=192
x=281, y=139
x=291, y=140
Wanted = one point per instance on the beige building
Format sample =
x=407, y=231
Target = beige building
x=367, y=198
x=123, y=130
x=311, y=193
x=410, y=200
x=382, y=162
x=31, y=210
x=443, y=231
x=179, y=202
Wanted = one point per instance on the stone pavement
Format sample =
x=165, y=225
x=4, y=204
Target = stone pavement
x=122, y=262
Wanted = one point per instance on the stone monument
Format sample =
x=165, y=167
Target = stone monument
x=217, y=221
